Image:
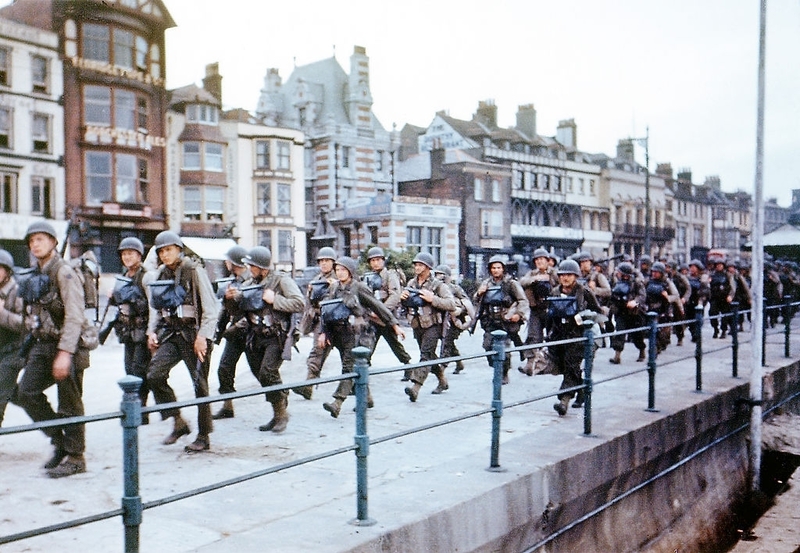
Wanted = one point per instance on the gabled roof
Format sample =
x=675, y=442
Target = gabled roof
x=327, y=81
x=192, y=94
x=418, y=166
x=39, y=13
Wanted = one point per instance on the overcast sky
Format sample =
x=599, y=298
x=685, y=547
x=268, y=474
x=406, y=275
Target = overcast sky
x=685, y=68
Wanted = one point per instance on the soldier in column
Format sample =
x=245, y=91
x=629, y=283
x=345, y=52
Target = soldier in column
x=743, y=295
x=537, y=284
x=183, y=318
x=684, y=295
x=345, y=324
x=661, y=295
x=12, y=331
x=502, y=305
x=317, y=289
x=459, y=320
x=773, y=293
x=232, y=326
x=54, y=316
x=628, y=304
x=698, y=295
x=269, y=299
x=386, y=286
x=130, y=297
x=722, y=290
x=427, y=301
x=573, y=304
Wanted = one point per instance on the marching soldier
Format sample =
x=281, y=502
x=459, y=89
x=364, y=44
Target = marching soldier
x=269, y=298
x=460, y=320
x=345, y=324
x=317, y=290
x=502, y=305
x=743, y=295
x=684, y=295
x=773, y=293
x=428, y=301
x=181, y=328
x=699, y=294
x=661, y=294
x=722, y=290
x=537, y=285
x=386, y=286
x=232, y=326
x=12, y=331
x=54, y=316
x=628, y=308
x=130, y=297
x=569, y=303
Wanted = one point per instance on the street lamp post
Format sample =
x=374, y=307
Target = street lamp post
x=647, y=230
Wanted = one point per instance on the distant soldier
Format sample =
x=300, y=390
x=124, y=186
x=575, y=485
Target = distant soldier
x=537, y=285
x=773, y=293
x=628, y=308
x=232, y=326
x=269, y=298
x=345, y=324
x=427, y=301
x=684, y=295
x=181, y=328
x=502, y=305
x=722, y=291
x=698, y=295
x=645, y=262
x=385, y=284
x=459, y=320
x=316, y=291
x=661, y=294
x=12, y=331
x=743, y=295
x=130, y=297
x=54, y=317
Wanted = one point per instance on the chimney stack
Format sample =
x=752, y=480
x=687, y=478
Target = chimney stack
x=625, y=150
x=486, y=114
x=567, y=133
x=213, y=81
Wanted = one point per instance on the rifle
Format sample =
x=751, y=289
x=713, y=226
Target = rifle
x=103, y=334
x=612, y=258
x=445, y=329
x=478, y=313
x=290, y=341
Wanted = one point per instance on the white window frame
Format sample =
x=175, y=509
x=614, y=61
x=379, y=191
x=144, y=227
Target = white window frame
x=283, y=199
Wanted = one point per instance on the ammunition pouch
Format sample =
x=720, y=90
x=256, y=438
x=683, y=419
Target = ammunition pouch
x=334, y=312
x=166, y=295
x=251, y=300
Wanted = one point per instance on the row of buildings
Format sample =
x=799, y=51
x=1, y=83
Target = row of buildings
x=91, y=138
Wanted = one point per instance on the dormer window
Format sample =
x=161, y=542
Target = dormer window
x=202, y=113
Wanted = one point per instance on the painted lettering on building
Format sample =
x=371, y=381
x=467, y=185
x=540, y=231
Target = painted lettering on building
x=122, y=137
x=109, y=69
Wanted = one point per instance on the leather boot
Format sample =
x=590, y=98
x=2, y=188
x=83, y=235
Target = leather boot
x=561, y=406
x=442, y=385
x=505, y=374
x=413, y=391
x=616, y=359
x=334, y=407
x=201, y=443
x=226, y=411
x=180, y=428
x=55, y=460
x=459, y=367
x=280, y=417
x=527, y=368
x=406, y=375
x=641, y=355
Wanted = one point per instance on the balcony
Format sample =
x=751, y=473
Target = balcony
x=658, y=234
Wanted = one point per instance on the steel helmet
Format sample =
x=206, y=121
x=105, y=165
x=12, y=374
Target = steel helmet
x=626, y=268
x=40, y=226
x=375, y=252
x=659, y=267
x=326, y=253
x=425, y=259
x=585, y=256
x=540, y=252
x=167, y=238
x=236, y=254
x=348, y=263
x=131, y=243
x=569, y=267
x=645, y=259
x=6, y=260
x=697, y=263
x=260, y=257
x=444, y=269
x=496, y=259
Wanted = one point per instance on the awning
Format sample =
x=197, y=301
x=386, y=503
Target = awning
x=209, y=248
x=787, y=235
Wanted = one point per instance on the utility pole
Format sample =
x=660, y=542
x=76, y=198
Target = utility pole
x=647, y=221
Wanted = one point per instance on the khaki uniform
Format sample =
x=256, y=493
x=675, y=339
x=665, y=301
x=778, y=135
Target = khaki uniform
x=12, y=331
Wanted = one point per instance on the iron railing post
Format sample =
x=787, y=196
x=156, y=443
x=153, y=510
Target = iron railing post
x=698, y=347
x=787, y=324
x=131, y=500
x=652, y=321
x=588, y=363
x=764, y=335
x=498, y=358
x=361, y=438
x=735, y=339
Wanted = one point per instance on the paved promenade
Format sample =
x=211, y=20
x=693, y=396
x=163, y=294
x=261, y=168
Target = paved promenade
x=308, y=508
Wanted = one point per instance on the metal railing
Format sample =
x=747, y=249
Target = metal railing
x=130, y=414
